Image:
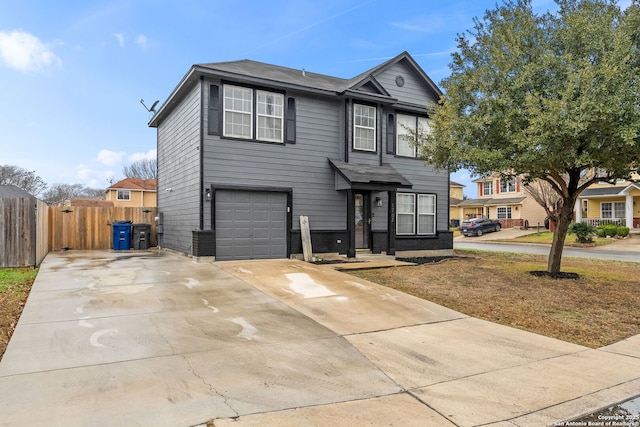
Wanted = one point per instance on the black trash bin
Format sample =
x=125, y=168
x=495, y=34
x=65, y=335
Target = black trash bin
x=141, y=236
x=121, y=235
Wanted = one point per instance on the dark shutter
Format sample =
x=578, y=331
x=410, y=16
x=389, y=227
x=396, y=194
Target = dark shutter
x=391, y=134
x=291, y=121
x=214, y=110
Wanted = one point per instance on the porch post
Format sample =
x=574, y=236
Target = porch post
x=391, y=223
x=578, y=210
x=628, y=211
x=351, y=224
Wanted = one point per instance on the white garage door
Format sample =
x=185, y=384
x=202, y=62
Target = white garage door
x=250, y=225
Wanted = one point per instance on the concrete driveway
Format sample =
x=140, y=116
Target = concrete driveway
x=152, y=338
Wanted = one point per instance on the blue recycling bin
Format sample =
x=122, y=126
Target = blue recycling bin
x=121, y=235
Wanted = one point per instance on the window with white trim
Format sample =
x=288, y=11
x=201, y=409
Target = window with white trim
x=426, y=214
x=405, y=127
x=238, y=112
x=612, y=210
x=270, y=116
x=364, y=127
x=124, y=195
x=487, y=188
x=241, y=122
x=508, y=185
x=415, y=214
x=504, y=212
x=405, y=213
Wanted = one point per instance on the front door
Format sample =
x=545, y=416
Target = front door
x=363, y=220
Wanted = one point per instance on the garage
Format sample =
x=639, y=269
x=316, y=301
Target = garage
x=250, y=224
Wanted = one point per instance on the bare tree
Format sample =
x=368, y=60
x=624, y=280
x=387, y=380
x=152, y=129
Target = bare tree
x=145, y=169
x=22, y=178
x=59, y=193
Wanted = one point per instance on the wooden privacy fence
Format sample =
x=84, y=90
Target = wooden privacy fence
x=23, y=231
x=88, y=227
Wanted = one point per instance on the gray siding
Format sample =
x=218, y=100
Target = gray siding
x=179, y=171
x=302, y=166
x=413, y=91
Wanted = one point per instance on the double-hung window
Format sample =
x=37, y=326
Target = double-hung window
x=405, y=208
x=487, y=188
x=124, y=195
x=270, y=116
x=426, y=214
x=241, y=121
x=238, y=112
x=508, y=185
x=407, y=129
x=364, y=127
x=612, y=209
x=416, y=214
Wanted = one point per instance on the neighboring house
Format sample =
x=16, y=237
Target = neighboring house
x=246, y=148
x=503, y=199
x=604, y=203
x=133, y=192
x=456, y=196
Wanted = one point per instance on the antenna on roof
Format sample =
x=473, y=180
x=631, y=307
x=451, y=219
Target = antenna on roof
x=153, y=106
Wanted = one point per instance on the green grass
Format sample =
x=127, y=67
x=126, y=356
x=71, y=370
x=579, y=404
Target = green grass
x=15, y=278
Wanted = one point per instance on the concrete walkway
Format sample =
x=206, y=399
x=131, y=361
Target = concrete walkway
x=152, y=338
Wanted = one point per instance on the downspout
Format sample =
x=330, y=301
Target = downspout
x=346, y=130
x=201, y=149
x=379, y=130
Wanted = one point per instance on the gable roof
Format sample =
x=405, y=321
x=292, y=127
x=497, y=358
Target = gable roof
x=363, y=85
x=455, y=184
x=608, y=191
x=135, y=184
x=11, y=191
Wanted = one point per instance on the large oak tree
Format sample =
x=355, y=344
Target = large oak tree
x=552, y=96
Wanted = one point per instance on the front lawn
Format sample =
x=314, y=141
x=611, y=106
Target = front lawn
x=598, y=309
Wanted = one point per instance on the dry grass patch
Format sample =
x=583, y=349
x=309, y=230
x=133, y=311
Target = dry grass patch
x=598, y=309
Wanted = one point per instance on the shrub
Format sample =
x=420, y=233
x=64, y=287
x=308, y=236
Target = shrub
x=610, y=230
x=623, y=231
x=583, y=231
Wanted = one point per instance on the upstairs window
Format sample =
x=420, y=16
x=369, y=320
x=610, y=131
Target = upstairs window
x=487, y=188
x=364, y=127
x=408, y=125
x=124, y=195
x=238, y=112
x=270, y=116
x=241, y=122
x=508, y=185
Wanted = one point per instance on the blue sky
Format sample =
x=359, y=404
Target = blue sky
x=72, y=73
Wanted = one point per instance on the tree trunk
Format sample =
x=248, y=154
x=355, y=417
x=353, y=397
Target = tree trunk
x=560, y=233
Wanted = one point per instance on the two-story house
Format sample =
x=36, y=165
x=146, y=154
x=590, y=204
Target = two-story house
x=246, y=148
x=133, y=193
x=503, y=199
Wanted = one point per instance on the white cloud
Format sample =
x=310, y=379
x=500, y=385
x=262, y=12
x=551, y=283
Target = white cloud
x=141, y=41
x=110, y=158
x=93, y=178
x=25, y=52
x=120, y=38
x=149, y=155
